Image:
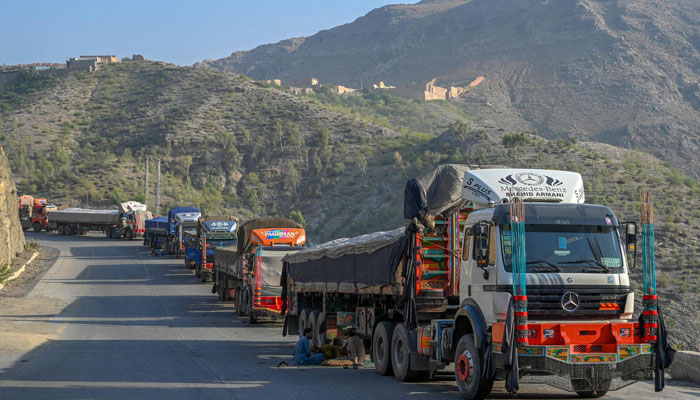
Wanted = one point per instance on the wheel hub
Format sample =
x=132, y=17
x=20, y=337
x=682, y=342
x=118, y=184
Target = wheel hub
x=464, y=365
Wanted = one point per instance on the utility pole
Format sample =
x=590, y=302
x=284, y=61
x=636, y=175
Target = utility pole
x=158, y=189
x=145, y=194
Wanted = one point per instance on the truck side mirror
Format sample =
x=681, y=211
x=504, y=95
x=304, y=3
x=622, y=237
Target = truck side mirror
x=481, y=233
x=631, y=240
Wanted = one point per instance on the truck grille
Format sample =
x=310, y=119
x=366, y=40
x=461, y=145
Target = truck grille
x=600, y=301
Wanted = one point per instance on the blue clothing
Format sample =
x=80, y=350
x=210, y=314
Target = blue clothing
x=303, y=354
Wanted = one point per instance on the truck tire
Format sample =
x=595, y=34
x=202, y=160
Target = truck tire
x=129, y=234
x=303, y=321
x=221, y=287
x=381, y=347
x=315, y=321
x=59, y=229
x=401, y=355
x=249, y=307
x=197, y=270
x=468, y=370
x=36, y=226
x=239, y=303
x=68, y=230
x=108, y=233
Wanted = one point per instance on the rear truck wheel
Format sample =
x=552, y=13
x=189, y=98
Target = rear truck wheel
x=315, y=320
x=36, y=226
x=59, y=229
x=468, y=370
x=221, y=287
x=303, y=321
x=239, y=303
x=401, y=355
x=69, y=230
x=197, y=270
x=249, y=307
x=584, y=390
x=381, y=347
x=129, y=234
x=108, y=233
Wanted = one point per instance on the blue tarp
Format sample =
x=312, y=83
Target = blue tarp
x=158, y=222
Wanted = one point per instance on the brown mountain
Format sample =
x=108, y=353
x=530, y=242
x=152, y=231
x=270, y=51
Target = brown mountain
x=617, y=71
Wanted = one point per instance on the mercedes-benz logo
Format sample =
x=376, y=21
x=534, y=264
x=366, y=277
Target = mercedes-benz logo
x=570, y=301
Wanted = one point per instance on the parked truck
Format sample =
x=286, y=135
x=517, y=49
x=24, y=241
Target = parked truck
x=249, y=272
x=136, y=216
x=33, y=213
x=180, y=220
x=213, y=231
x=79, y=221
x=505, y=273
x=157, y=232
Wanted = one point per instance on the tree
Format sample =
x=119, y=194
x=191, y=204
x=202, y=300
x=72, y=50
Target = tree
x=296, y=216
x=361, y=163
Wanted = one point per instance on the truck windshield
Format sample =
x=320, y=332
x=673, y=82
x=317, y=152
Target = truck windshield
x=566, y=248
x=221, y=243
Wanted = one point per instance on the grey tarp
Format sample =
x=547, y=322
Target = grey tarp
x=435, y=193
x=206, y=218
x=272, y=269
x=85, y=216
x=245, y=230
x=360, y=261
x=226, y=259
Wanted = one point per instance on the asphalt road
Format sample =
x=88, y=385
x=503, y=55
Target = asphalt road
x=135, y=326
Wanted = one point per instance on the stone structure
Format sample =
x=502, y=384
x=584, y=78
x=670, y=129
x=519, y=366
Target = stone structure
x=345, y=90
x=430, y=91
x=380, y=85
x=11, y=235
x=306, y=83
x=138, y=57
x=277, y=82
x=90, y=63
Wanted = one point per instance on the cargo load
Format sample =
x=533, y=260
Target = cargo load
x=85, y=215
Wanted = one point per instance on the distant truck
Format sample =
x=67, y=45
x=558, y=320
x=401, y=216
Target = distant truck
x=249, y=272
x=156, y=232
x=213, y=231
x=504, y=272
x=79, y=221
x=33, y=213
x=128, y=222
x=180, y=220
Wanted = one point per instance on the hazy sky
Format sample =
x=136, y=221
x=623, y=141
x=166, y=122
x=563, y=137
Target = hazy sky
x=177, y=31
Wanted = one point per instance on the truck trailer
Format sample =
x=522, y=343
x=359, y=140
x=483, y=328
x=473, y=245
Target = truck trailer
x=79, y=221
x=157, y=232
x=249, y=273
x=505, y=273
x=213, y=231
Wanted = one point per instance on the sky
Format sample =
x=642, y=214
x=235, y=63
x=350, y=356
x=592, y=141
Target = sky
x=176, y=31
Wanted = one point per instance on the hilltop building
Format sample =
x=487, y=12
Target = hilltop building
x=430, y=91
x=90, y=63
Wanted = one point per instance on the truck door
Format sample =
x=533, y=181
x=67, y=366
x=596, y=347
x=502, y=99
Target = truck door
x=479, y=282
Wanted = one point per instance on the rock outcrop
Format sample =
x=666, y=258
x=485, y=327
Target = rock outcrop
x=11, y=235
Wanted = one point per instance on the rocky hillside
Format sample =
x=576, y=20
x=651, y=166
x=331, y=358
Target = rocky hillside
x=621, y=72
x=11, y=235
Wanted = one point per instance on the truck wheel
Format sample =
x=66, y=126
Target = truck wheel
x=198, y=271
x=400, y=355
x=381, y=347
x=221, y=287
x=303, y=321
x=583, y=388
x=108, y=233
x=36, y=226
x=129, y=235
x=315, y=321
x=59, y=229
x=468, y=370
x=68, y=230
x=249, y=307
x=239, y=303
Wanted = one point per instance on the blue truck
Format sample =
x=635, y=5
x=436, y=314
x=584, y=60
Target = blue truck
x=156, y=234
x=180, y=220
x=213, y=231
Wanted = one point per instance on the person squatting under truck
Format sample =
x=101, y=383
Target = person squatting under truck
x=304, y=354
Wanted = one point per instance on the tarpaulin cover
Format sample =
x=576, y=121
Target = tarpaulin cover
x=272, y=269
x=132, y=206
x=364, y=260
x=158, y=222
x=177, y=210
x=245, y=230
x=438, y=192
x=86, y=216
x=207, y=218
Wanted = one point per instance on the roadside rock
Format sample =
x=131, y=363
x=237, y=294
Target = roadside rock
x=11, y=235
